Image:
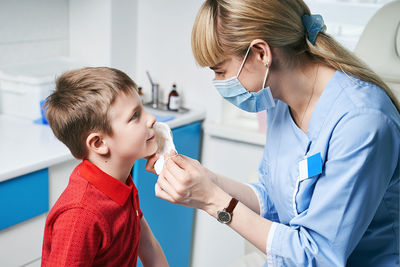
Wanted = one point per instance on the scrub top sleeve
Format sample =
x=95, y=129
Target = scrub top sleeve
x=267, y=208
x=362, y=156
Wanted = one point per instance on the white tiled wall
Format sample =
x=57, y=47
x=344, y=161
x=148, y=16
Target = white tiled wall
x=32, y=30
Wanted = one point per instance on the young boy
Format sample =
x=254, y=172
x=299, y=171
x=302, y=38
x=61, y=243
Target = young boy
x=97, y=221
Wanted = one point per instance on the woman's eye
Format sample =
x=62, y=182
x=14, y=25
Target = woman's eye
x=219, y=75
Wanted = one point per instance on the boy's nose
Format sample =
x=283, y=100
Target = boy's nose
x=151, y=121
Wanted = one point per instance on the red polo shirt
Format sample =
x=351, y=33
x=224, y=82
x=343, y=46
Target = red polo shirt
x=95, y=222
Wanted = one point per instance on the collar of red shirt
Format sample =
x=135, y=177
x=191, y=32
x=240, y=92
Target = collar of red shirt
x=112, y=187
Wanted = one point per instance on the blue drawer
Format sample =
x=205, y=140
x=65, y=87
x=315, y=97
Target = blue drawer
x=24, y=197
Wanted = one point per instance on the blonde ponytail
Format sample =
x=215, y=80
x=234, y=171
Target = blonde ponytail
x=339, y=58
x=226, y=27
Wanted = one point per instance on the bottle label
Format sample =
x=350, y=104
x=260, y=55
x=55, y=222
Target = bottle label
x=174, y=102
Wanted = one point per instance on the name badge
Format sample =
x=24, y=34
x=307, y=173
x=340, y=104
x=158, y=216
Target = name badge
x=310, y=166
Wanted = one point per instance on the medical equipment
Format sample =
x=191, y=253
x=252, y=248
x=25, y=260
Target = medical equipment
x=379, y=45
x=154, y=91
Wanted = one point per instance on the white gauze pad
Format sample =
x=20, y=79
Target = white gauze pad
x=164, y=142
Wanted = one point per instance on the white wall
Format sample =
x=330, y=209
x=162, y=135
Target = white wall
x=340, y=18
x=163, y=48
x=32, y=30
x=124, y=35
x=141, y=35
x=104, y=33
x=90, y=31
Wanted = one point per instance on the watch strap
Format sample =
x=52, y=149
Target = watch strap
x=232, y=205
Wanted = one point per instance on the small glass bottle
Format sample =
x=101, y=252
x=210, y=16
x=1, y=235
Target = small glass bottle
x=141, y=95
x=173, y=99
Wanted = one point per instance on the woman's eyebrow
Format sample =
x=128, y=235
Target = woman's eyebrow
x=217, y=66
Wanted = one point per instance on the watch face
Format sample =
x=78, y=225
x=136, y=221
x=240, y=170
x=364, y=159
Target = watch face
x=224, y=217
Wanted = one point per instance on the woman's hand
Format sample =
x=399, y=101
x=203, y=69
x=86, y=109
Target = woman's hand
x=185, y=181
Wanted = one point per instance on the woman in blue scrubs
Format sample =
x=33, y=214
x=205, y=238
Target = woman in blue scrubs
x=328, y=190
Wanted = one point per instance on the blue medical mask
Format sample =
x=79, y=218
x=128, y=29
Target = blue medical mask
x=233, y=91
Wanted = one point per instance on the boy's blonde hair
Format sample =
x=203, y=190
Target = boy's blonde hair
x=81, y=102
x=226, y=27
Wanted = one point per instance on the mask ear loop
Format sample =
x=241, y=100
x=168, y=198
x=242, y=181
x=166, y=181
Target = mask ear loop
x=266, y=75
x=244, y=60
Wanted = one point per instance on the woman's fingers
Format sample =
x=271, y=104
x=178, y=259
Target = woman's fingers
x=168, y=186
x=181, y=185
x=185, y=181
x=172, y=153
x=176, y=189
x=162, y=194
x=182, y=161
x=174, y=170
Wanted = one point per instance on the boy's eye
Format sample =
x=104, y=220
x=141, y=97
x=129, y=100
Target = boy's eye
x=135, y=116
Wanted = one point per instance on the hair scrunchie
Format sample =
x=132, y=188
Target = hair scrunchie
x=314, y=24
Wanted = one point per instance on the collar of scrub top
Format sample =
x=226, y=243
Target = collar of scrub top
x=314, y=24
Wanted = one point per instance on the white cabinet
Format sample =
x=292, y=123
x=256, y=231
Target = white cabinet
x=21, y=244
x=58, y=179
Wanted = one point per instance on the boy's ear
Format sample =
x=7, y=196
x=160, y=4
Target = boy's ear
x=95, y=143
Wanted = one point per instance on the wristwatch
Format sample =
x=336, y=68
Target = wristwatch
x=225, y=215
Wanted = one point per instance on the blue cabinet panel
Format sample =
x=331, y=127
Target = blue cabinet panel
x=23, y=197
x=171, y=224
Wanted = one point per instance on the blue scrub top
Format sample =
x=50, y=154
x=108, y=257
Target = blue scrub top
x=348, y=215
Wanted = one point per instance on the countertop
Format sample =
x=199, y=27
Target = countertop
x=27, y=147
x=239, y=130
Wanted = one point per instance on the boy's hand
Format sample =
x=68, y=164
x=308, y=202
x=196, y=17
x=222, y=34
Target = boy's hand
x=151, y=160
